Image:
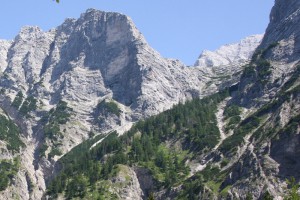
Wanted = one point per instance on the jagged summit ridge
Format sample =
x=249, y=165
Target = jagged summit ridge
x=230, y=54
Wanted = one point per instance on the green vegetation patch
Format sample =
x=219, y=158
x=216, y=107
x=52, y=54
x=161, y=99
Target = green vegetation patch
x=28, y=105
x=79, y=152
x=211, y=177
x=263, y=66
x=264, y=69
x=54, y=152
x=168, y=166
x=232, y=110
x=8, y=169
x=247, y=126
x=56, y=117
x=42, y=150
x=10, y=133
x=259, y=68
x=53, y=120
x=249, y=72
x=232, y=114
x=18, y=100
x=109, y=106
x=291, y=81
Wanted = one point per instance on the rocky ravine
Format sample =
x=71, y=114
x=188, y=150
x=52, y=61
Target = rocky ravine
x=100, y=57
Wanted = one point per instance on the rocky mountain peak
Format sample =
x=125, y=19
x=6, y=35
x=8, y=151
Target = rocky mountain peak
x=117, y=26
x=25, y=30
x=230, y=54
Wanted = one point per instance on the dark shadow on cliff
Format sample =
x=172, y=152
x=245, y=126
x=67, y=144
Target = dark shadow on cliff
x=286, y=151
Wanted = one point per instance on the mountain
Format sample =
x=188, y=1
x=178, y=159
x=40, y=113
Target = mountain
x=239, y=143
x=91, y=111
x=230, y=54
x=86, y=78
x=223, y=67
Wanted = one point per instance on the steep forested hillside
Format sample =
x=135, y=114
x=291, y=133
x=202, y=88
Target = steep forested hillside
x=161, y=144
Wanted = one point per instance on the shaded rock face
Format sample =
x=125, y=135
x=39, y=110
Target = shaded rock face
x=286, y=152
x=284, y=28
x=146, y=181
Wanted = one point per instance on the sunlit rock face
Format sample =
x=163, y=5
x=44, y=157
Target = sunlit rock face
x=100, y=57
x=231, y=54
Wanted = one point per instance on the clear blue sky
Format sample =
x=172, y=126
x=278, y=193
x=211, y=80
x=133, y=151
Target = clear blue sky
x=176, y=28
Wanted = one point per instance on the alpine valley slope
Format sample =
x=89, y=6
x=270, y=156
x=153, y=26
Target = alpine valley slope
x=88, y=77
x=242, y=143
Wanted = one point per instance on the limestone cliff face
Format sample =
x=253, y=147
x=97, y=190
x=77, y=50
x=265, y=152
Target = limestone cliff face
x=4, y=46
x=284, y=28
x=100, y=57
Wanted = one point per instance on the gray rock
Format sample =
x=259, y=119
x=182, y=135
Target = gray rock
x=231, y=54
x=100, y=56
